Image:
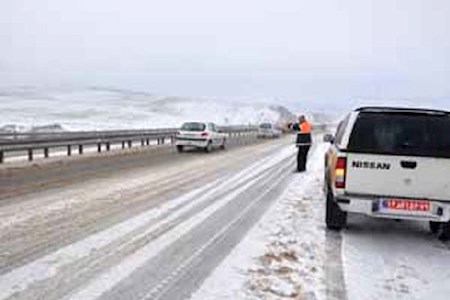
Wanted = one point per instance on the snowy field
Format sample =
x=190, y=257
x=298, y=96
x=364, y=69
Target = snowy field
x=102, y=109
x=97, y=108
x=290, y=255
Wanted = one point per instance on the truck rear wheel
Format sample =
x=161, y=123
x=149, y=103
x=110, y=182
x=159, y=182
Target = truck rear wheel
x=443, y=231
x=180, y=148
x=335, y=218
x=434, y=227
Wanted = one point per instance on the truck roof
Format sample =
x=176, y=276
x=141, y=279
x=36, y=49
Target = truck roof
x=402, y=110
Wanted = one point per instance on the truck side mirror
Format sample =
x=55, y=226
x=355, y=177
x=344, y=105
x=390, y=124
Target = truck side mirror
x=328, y=138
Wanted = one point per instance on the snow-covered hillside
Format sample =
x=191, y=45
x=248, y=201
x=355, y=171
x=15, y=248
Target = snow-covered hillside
x=100, y=109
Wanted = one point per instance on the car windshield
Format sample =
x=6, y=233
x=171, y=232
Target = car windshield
x=193, y=126
x=402, y=134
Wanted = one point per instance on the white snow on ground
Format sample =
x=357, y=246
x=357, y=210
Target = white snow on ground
x=43, y=268
x=102, y=109
x=384, y=259
x=289, y=254
x=47, y=266
x=283, y=255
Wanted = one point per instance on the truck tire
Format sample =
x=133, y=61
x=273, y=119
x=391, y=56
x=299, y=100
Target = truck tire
x=434, y=227
x=180, y=148
x=335, y=218
x=443, y=232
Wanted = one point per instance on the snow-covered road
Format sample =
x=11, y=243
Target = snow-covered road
x=289, y=254
x=236, y=224
x=138, y=233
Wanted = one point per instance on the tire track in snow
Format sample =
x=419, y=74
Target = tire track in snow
x=112, y=277
x=292, y=256
x=269, y=184
x=59, y=221
x=15, y=213
x=47, y=267
x=119, y=250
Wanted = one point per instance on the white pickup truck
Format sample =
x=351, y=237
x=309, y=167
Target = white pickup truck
x=390, y=163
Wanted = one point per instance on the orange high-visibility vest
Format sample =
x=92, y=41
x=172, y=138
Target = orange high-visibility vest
x=305, y=127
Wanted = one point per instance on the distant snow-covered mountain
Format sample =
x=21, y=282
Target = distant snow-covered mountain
x=102, y=109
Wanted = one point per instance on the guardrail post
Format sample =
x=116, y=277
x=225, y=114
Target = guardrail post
x=99, y=147
x=147, y=141
x=46, y=152
x=2, y=157
x=123, y=145
x=108, y=146
x=80, y=149
x=163, y=141
x=142, y=142
x=30, y=154
x=130, y=144
x=69, y=150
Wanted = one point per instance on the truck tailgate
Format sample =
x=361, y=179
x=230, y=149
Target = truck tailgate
x=398, y=176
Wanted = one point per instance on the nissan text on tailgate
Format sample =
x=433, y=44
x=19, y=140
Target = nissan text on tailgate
x=390, y=163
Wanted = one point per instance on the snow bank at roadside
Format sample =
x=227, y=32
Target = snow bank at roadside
x=283, y=256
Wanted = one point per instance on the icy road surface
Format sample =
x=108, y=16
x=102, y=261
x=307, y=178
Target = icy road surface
x=169, y=226
x=137, y=231
x=290, y=255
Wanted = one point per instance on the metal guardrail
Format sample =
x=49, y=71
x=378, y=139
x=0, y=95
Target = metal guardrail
x=30, y=142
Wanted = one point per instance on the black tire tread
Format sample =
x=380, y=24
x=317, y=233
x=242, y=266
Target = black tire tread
x=335, y=218
x=434, y=227
x=444, y=232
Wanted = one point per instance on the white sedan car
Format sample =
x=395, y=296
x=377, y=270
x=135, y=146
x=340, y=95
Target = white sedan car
x=200, y=135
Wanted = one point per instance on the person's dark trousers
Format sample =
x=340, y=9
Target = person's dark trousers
x=304, y=141
x=302, y=158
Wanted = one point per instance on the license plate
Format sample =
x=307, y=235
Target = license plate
x=405, y=204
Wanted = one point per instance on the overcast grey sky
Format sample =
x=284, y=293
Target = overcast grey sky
x=315, y=50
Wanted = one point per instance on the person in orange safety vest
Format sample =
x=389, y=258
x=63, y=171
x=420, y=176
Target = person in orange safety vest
x=304, y=141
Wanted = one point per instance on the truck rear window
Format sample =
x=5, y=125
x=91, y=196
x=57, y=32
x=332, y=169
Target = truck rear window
x=409, y=134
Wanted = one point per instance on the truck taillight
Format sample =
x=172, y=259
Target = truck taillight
x=204, y=134
x=340, y=172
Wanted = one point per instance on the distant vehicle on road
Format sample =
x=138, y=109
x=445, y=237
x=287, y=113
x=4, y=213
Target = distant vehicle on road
x=268, y=130
x=390, y=163
x=200, y=135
